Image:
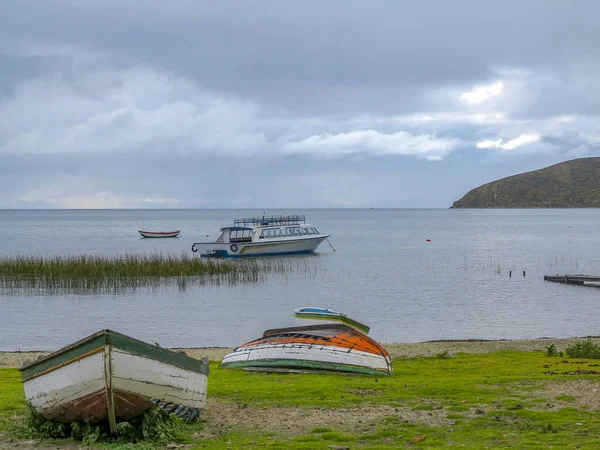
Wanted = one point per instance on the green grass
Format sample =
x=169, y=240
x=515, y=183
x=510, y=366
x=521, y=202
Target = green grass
x=107, y=273
x=505, y=388
x=565, y=398
x=12, y=400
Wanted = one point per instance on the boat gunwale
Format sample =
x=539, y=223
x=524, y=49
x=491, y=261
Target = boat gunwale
x=382, y=351
x=62, y=364
x=118, y=341
x=336, y=317
x=322, y=366
x=62, y=350
x=325, y=326
x=159, y=232
x=265, y=242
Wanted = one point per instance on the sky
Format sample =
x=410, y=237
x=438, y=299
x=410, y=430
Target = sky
x=275, y=104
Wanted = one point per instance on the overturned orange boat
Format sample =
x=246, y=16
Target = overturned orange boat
x=327, y=347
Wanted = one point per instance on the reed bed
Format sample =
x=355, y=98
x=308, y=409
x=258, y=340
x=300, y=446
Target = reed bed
x=113, y=273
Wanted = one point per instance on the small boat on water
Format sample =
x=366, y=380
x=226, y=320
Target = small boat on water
x=326, y=347
x=108, y=376
x=327, y=314
x=159, y=234
x=263, y=236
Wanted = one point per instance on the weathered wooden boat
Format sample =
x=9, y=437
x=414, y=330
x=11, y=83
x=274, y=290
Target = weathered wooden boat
x=327, y=347
x=108, y=376
x=314, y=313
x=159, y=234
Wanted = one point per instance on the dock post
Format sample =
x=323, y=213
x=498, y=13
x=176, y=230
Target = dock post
x=510, y=273
x=523, y=273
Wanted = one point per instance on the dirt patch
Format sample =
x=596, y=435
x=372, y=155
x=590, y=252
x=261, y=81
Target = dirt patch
x=17, y=359
x=433, y=348
x=29, y=444
x=224, y=417
x=365, y=392
x=398, y=350
x=586, y=394
x=212, y=353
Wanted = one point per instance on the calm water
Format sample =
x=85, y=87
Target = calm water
x=383, y=272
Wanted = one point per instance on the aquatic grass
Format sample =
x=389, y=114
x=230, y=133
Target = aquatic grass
x=111, y=273
x=126, y=265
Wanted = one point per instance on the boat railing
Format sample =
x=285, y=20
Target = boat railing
x=271, y=220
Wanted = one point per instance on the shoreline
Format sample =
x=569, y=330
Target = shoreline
x=14, y=359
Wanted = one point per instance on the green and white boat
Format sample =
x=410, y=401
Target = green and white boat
x=314, y=313
x=108, y=376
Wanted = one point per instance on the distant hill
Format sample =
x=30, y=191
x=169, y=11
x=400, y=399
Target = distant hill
x=570, y=184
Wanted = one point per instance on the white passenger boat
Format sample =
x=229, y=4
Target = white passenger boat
x=262, y=236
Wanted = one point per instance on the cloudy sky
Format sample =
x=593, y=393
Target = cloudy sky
x=265, y=104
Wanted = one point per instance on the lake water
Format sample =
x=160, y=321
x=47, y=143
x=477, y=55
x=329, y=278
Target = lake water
x=383, y=272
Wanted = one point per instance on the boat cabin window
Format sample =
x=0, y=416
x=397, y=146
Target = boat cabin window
x=220, y=238
x=287, y=232
x=268, y=233
x=240, y=236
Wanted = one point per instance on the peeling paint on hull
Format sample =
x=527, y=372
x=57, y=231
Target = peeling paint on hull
x=109, y=376
x=92, y=408
x=334, y=347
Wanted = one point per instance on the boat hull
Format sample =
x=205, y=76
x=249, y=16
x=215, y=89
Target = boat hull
x=263, y=248
x=159, y=234
x=308, y=356
x=334, y=347
x=109, y=376
x=327, y=314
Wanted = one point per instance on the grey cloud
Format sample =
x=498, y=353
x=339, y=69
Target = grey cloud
x=311, y=56
x=231, y=103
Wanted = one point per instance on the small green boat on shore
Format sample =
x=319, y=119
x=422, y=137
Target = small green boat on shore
x=314, y=313
x=111, y=377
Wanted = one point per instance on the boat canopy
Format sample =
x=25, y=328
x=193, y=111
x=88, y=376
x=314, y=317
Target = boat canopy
x=271, y=220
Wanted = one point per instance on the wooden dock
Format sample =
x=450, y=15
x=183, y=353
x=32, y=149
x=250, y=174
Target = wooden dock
x=573, y=279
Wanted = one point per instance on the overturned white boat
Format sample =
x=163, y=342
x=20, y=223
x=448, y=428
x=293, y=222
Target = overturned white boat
x=329, y=347
x=113, y=377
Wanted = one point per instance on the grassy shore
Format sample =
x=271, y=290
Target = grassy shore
x=502, y=399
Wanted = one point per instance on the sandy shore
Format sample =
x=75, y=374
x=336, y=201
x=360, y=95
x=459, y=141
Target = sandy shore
x=397, y=350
